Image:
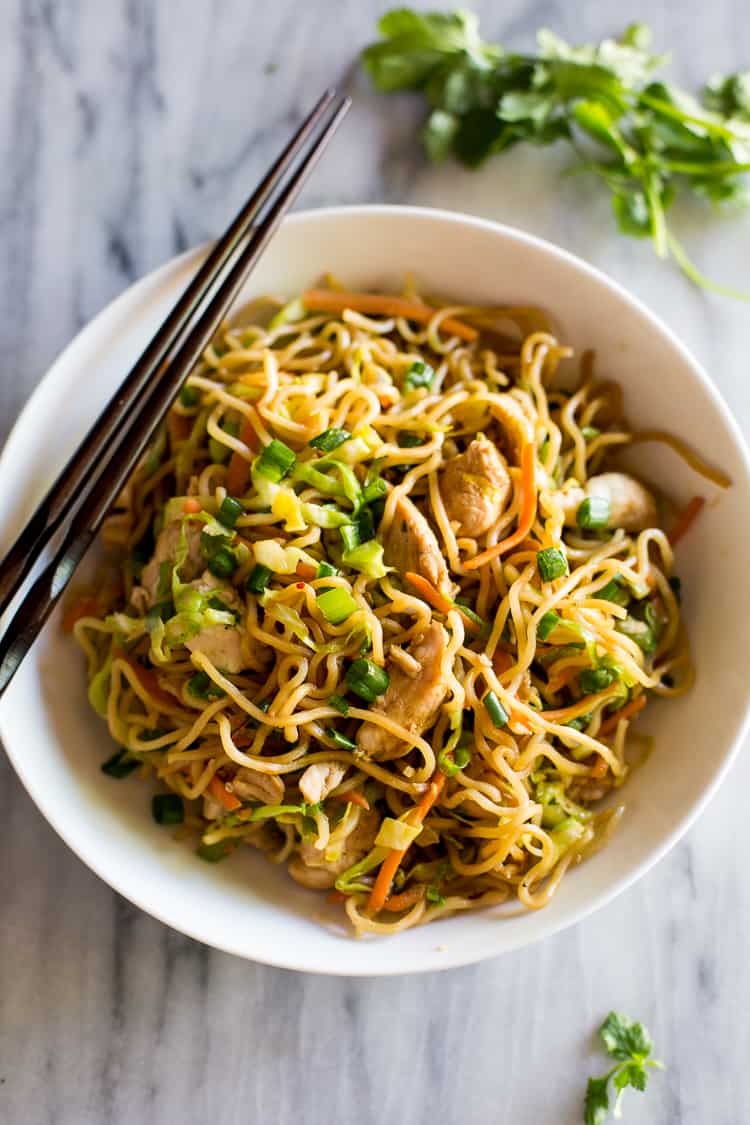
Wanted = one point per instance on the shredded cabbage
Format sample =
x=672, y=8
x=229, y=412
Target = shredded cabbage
x=367, y=558
x=396, y=834
x=278, y=559
x=363, y=444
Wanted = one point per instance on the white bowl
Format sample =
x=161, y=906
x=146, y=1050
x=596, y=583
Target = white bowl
x=245, y=905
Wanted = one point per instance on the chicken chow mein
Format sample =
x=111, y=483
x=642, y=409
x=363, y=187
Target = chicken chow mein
x=379, y=602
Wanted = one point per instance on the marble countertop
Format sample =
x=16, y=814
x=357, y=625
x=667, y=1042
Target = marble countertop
x=128, y=132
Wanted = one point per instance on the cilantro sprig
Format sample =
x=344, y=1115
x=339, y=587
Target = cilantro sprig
x=630, y=1044
x=646, y=140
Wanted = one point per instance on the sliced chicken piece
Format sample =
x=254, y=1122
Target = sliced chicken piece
x=411, y=701
x=222, y=644
x=319, y=780
x=167, y=547
x=310, y=868
x=631, y=506
x=410, y=544
x=515, y=423
x=252, y=785
x=475, y=487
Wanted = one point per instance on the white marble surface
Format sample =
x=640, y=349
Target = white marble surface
x=129, y=130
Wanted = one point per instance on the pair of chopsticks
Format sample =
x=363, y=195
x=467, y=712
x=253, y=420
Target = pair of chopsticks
x=96, y=473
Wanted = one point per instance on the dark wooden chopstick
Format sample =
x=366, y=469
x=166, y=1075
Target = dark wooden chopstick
x=134, y=435
x=92, y=457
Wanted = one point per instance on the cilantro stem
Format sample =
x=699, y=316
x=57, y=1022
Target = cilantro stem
x=680, y=115
x=698, y=168
x=677, y=251
x=659, y=231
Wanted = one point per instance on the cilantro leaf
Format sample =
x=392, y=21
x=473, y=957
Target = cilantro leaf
x=652, y=139
x=596, y=1104
x=624, y=1038
x=729, y=96
x=630, y=1045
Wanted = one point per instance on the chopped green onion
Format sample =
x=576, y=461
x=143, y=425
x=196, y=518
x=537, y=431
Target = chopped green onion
x=579, y=723
x=588, y=433
x=153, y=734
x=275, y=461
x=325, y=570
x=212, y=544
x=119, y=765
x=341, y=740
x=222, y=607
x=374, y=489
x=336, y=605
x=349, y=537
x=420, y=374
x=167, y=808
x=593, y=680
x=189, y=396
x=202, y=686
x=547, y=624
x=366, y=679
x=213, y=853
x=407, y=440
x=229, y=511
x=258, y=579
x=462, y=756
x=433, y=895
x=495, y=709
x=638, y=631
x=676, y=588
x=593, y=513
x=223, y=564
x=552, y=563
x=364, y=524
x=330, y=440
x=339, y=703
x=446, y=763
x=615, y=591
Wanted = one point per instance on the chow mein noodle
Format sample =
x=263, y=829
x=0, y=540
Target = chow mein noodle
x=379, y=602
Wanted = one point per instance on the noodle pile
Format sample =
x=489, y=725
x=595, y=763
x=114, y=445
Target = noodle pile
x=228, y=661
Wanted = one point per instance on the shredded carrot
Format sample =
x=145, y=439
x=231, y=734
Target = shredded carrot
x=437, y=600
x=407, y=899
x=191, y=506
x=392, y=861
x=502, y=661
x=352, y=795
x=178, y=427
x=564, y=678
x=306, y=571
x=629, y=711
x=376, y=304
x=526, y=516
x=85, y=606
x=686, y=519
x=599, y=768
x=218, y=789
x=238, y=473
x=432, y=596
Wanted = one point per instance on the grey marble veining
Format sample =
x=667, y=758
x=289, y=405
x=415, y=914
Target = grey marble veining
x=128, y=131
